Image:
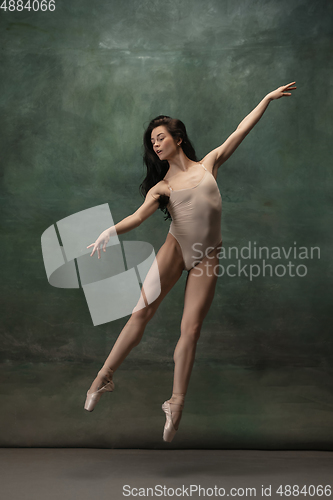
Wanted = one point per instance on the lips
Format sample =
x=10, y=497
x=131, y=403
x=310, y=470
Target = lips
x=159, y=152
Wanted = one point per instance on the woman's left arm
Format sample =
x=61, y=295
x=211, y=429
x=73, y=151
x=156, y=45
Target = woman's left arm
x=223, y=152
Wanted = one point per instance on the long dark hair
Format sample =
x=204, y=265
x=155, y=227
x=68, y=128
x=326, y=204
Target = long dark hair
x=156, y=168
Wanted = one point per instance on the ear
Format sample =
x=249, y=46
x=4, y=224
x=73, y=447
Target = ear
x=179, y=141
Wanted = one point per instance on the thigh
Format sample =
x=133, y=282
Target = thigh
x=165, y=271
x=200, y=290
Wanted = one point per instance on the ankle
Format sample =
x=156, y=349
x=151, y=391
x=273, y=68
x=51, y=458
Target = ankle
x=106, y=373
x=177, y=400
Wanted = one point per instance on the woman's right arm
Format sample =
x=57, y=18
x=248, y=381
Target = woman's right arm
x=148, y=207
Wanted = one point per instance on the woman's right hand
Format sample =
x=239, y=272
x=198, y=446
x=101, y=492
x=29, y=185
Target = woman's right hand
x=101, y=240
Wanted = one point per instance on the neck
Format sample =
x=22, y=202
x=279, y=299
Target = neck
x=179, y=163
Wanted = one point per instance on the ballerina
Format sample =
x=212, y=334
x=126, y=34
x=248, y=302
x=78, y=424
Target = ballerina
x=186, y=190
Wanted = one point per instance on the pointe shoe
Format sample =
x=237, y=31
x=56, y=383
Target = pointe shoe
x=169, y=429
x=93, y=398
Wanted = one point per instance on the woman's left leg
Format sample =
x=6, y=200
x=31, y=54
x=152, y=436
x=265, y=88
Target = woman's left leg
x=199, y=294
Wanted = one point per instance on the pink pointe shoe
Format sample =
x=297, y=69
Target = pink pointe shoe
x=93, y=397
x=169, y=428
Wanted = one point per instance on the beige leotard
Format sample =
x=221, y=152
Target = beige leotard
x=196, y=219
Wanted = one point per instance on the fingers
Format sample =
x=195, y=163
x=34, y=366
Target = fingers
x=288, y=86
x=96, y=246
x=94, y=249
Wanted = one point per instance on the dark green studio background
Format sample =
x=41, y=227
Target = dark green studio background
x=78, y=87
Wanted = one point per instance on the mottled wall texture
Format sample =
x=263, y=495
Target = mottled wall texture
x=78, y=86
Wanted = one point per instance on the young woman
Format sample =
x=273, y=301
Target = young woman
x=181, y=186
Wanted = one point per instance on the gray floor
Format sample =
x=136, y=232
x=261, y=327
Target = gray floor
x=83, y=473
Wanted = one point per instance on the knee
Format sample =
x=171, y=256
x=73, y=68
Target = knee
x=191, y=330
x=143, y=315
x=139, y=320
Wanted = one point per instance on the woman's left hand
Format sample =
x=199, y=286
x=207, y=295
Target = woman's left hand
x=281, y=91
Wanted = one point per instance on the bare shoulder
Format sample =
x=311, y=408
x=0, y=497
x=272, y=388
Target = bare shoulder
x=159, y=189
x=209, y=162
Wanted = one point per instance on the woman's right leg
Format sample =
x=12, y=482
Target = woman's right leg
x=170, y=266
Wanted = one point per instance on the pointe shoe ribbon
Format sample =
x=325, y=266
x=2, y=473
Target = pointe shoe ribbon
x=93, y=398
x=169, y=429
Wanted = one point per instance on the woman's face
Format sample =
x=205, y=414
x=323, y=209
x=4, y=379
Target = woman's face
x=164, y=145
